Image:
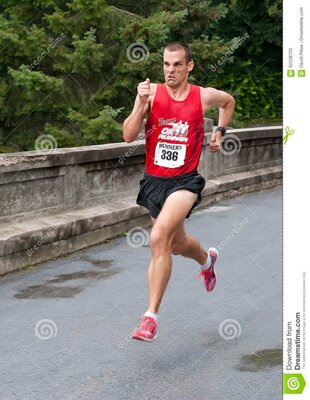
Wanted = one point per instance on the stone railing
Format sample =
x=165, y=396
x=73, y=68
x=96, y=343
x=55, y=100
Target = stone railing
x=38, y=185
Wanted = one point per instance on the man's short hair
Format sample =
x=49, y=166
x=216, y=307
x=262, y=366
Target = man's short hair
x=173, y=46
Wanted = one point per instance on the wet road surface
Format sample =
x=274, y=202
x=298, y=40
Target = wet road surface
x=65, y=325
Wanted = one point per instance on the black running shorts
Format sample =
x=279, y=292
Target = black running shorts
x=154, y=190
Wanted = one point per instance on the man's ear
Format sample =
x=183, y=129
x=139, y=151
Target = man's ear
x=190, y=66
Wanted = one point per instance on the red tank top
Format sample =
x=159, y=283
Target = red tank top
x=174, y=133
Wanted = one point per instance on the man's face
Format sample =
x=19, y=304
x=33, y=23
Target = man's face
x=176, y=69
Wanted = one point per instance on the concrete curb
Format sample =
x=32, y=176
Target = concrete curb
x=50, y=236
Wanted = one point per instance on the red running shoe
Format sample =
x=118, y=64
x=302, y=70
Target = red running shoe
x=146, y=330
x=209, y=275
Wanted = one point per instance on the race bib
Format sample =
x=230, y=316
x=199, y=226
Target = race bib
x=170, y=155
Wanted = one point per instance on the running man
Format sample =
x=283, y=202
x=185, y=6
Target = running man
x=171, y=186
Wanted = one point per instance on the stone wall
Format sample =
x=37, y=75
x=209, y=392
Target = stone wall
x=38, y=188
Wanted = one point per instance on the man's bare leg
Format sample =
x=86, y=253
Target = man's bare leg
x=169, y=237
x=188, y=246
x=172, y=215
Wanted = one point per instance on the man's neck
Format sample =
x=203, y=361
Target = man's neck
x=180, y=91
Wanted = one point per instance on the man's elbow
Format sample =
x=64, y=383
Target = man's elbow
x=128, y=136
x=230, y=104
x=233, y=101
x=127, y=139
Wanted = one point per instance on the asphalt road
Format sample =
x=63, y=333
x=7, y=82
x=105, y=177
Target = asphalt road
x=65, y=325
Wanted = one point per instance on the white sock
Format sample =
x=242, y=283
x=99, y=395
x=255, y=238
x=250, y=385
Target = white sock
x=152, y=315
x=207, y=264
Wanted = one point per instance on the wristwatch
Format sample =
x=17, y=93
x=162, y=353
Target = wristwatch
x=221, y=129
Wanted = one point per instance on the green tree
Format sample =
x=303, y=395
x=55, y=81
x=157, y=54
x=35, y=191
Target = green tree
x=253, y=73
x=59, y=63
x=70, y=68
x=176, y=20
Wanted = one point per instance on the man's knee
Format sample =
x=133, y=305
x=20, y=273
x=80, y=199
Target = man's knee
x=160, y=239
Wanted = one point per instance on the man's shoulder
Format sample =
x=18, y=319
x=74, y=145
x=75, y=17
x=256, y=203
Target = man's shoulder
x=208, y=93
x=208, y=90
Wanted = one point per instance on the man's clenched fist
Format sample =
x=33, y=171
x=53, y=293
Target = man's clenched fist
x=144, y=90
x=215, y=142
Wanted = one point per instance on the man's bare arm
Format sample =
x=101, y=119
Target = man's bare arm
x=213, y=98
x=132, y=124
